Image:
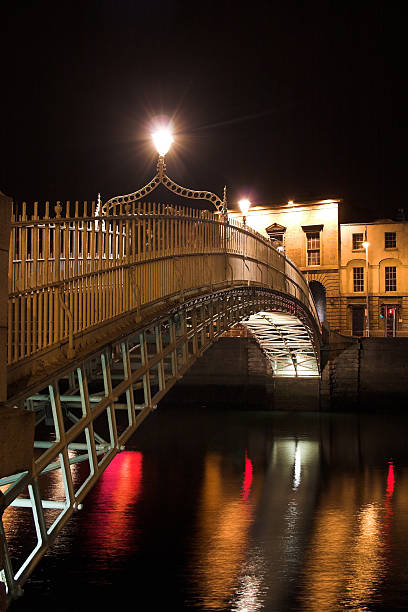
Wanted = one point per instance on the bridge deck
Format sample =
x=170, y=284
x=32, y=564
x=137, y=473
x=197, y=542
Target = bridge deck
x=105, y=315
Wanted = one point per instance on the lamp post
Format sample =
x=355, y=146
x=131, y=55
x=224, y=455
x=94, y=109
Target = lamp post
x=366, y=244
x=244, y=206
x=163, y=140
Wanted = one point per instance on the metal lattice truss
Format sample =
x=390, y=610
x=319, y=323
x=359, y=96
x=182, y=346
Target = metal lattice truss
x=161, y=178
x=287, y=343
x=87, y=411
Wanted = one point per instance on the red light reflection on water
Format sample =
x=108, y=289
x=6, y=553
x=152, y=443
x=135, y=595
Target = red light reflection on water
x=388, y=503
x=121, y=483
x=118, y=493
x=248, y=475
x=390, y=480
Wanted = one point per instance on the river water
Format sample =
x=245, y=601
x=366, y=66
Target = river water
x=232, y=510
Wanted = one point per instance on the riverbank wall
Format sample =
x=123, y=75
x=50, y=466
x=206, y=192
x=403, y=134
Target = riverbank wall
x=364, y=374
x=234, y=372
x=357, y=374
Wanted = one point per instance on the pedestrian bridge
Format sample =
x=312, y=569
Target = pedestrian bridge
x=107, y=308
x=77, y=280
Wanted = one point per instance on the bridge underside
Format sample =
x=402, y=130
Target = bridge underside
x=286, y=342
x=85, y=413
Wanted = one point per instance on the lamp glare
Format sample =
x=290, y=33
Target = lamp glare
x=162, y=141
x=244, y=206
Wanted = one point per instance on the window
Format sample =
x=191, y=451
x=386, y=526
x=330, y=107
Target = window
x=278, y=237
x=358, y=240
x=358, y=279
x=313, y=248
x=390, y=278
x=390, y=240
x=276, y=234
x=277, y=240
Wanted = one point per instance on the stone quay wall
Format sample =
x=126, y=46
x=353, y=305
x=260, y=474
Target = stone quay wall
x=368, y=374
x=357, y=374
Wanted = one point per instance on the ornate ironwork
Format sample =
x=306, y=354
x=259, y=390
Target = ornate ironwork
x=287, y=342
x=161, y=178
x=128, y=381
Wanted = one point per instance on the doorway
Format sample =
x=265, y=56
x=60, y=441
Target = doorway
x=358, y=317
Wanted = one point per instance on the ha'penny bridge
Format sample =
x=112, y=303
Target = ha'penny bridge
x=108, y=306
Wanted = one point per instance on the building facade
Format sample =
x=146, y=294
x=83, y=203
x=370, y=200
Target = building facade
x=374, y=278
x=358, y=272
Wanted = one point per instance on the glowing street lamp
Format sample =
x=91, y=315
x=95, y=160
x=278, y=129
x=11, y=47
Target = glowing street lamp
x=163, y=140
x=244, y=206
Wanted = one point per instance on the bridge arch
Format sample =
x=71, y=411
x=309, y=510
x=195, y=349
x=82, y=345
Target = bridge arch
x=111, y=316
x=108, y=307
x=152, y=356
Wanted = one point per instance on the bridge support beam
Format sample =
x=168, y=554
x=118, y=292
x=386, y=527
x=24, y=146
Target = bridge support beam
x=127, y=377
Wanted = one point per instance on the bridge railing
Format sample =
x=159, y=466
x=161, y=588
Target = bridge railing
x=71, y=271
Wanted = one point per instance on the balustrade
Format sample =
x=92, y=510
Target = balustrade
x=71, y=272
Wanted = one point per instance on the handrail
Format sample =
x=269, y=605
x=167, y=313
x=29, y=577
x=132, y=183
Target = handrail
x=97, y=261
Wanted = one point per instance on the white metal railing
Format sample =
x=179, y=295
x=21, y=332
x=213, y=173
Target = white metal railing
x=72, y=270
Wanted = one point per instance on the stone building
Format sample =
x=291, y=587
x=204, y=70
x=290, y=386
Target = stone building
x=308, y=232
x=345, y=275
x=376, y=275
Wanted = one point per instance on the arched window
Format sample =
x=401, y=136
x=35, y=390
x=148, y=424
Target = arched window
x=319, y=295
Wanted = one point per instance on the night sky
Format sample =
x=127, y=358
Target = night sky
x=276, y=100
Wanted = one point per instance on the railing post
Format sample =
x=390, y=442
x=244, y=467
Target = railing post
x=226, y=261
x=5, y=226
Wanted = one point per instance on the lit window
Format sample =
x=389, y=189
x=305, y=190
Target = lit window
x=390, y=240
x=358, y=240
x=278, y=237
x=358, y=279
x=390, y=278
x=313, y=248
x=276, y=234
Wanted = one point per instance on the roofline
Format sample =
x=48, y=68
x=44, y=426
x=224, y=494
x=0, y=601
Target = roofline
x=294, y=204
x=286, y=205
x=379, y=222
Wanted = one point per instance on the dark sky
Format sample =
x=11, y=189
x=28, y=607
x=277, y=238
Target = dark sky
x=276, y=100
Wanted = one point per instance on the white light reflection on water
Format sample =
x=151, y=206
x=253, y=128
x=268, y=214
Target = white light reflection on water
x=297, y=468
x=250, y=593
x=276, y=541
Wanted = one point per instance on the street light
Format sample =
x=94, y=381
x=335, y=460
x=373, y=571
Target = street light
x=244, y=206
x=163, y=140
x=366, y=244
